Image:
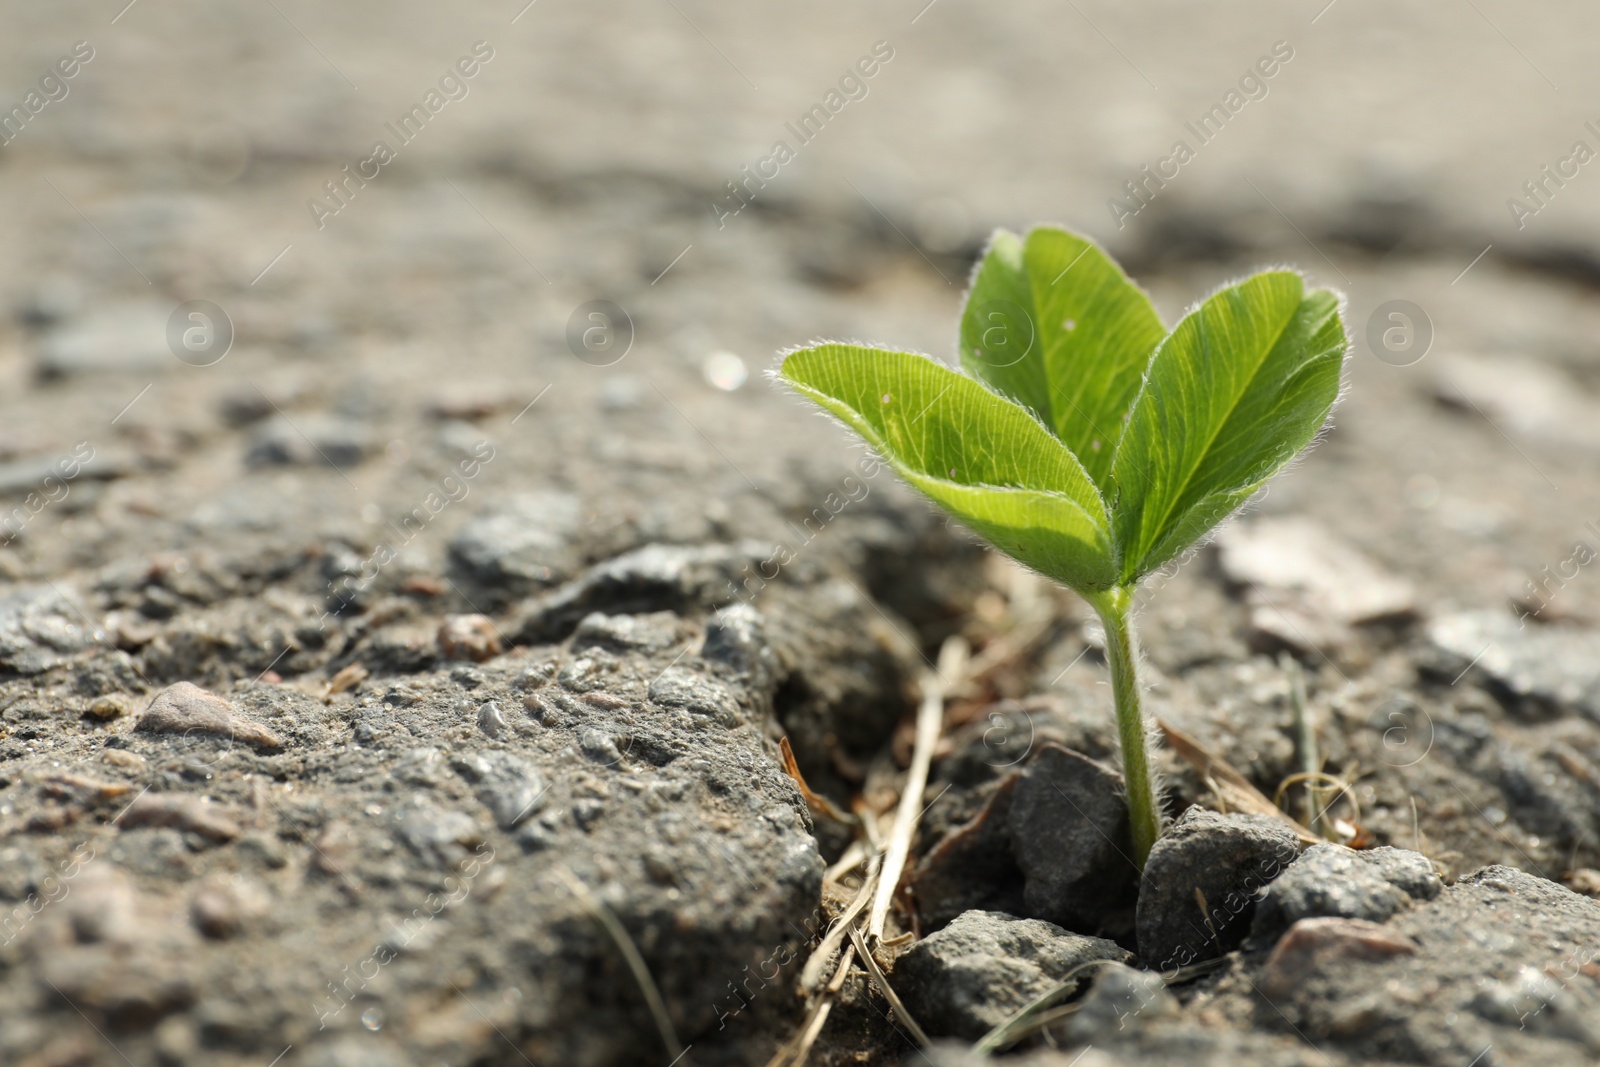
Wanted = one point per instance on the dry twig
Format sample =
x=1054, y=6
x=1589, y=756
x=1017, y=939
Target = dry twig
x=882, y=982
x=1232, y=788
x=795, y=1051
x=811, y=973
x=819, y=804
x=930, y=720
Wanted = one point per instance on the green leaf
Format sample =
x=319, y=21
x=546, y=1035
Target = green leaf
x=979, y=456
x=1239, y=389
x=1054, y=324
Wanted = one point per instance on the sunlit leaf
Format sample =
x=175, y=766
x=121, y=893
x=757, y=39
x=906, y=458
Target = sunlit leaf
x=1054, y=324
x=1240, y=387
x=981, y=457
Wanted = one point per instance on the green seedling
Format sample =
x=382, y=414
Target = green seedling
x=1085, y=440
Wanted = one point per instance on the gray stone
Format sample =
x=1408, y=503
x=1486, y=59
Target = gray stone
x=438, y=835
x=975, y=973
x=680, y=687
x=491, y=720
x=972, y=866
x=653, y=578
x=736, y=636
x=1362, y=989
x=527, y=541
x=1538, y=670
x=41, y=626
x=509, y=786
x=1069, y=833
x=648, y=633
x=1331, y=880
x=587, y=673
x=1406, y=870
x=1120, y=1000
x=129, y=337
x=308, y=439
x=29, y=474
x=188, y=710
x=1306, y=588
x=599, y=746
x=1201, y=882
x=1541, y=1003
x=420, y=766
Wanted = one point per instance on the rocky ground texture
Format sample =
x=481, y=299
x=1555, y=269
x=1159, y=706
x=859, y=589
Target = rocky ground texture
x=405, y=681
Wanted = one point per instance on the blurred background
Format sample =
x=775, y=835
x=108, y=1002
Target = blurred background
x=588, y=157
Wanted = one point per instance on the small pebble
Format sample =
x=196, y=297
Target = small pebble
x=1310, y=945
x=103, y=906
x=647, y=633
x=312, y=439
x=1305, y=587
x=509, y=786
x=599, y=746
x=185, y=708
x=221, y=908
x=348, y=678
x=1199, y=889
x=180, y=812
x=1120, y=999
x=40, y=626
x=1585, y=880
x=587, y=812
x=525, y=542
x=440, y=835
x=975, y=973
x=490, y=719
x=1068, y=827
x=470, y=637
x=112, y=706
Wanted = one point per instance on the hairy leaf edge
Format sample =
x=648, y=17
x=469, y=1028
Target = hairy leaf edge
x=1022, y=239
x=825, y=407
x=1341, y=304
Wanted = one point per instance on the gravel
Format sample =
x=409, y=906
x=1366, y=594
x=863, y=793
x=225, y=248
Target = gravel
x=976, y=972
x=524, y=542
x=41, y=626
x=1201, y=883
x=1539, y=670
x=1333, y=881
x=1068, y=824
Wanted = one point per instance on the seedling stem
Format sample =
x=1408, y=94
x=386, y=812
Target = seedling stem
x=1115, y=608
